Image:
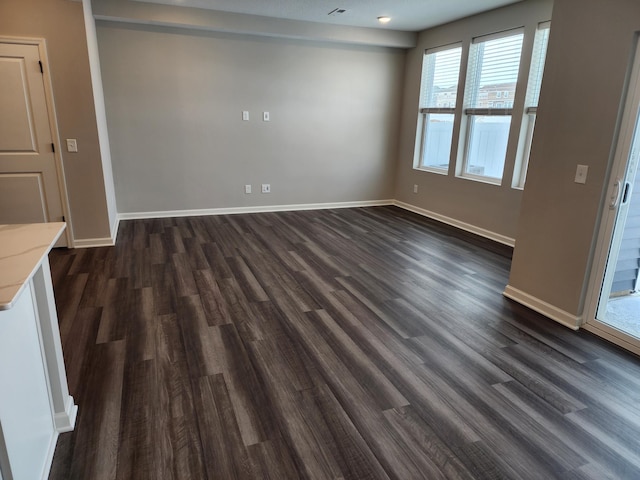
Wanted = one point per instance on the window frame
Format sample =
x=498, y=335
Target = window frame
x=468, y=113
x=424, y=112
x=515, y=101
x=531, y=107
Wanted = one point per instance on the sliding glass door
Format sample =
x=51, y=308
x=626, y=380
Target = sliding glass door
x=613, y=303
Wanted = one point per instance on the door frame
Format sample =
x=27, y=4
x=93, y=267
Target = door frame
x=53, y=125
x=629, y=120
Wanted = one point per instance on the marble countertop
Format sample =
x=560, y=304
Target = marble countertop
x=22, y=249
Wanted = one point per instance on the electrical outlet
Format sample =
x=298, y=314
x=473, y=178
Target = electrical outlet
x=245, y=116
x=415, y=188
x=247, y=189
x=266, y=188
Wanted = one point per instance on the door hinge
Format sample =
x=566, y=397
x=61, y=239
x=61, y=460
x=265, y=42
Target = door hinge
x=40, y=63
x=53, y=148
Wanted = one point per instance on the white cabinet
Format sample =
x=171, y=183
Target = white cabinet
x=25, y=410
x=35, y=405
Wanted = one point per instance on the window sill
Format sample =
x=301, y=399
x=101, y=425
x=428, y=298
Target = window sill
x=476, y=178
x=438, y=171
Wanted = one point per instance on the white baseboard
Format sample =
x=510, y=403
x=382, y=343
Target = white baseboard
x=100, y=242
x=254, y=209
x=66, y=421
x=554, y=313
x=114, y=229
x=496, y=237
x=106, y=242
x=94, y=242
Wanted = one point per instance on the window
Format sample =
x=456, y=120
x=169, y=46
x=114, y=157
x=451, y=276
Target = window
x=531, y=103
x=438, y=93
x=480, y=120
x=494, y=62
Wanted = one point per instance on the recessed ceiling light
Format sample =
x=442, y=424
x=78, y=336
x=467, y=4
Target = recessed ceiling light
x=384, y=19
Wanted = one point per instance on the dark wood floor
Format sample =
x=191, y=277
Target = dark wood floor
x=336, y=344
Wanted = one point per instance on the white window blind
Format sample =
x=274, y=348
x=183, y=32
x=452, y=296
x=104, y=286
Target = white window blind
x=494, y=62
x=440, y=72
x=534, y=84
x=537, y=64
x=438, y=99
x=492, y=76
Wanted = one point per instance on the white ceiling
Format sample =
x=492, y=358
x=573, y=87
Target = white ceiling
x=408, y=15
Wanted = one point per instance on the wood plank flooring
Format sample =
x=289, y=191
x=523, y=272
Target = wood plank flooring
x=339, y=344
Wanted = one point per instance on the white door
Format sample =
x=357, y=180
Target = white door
x=622, y=326
x=29, y=183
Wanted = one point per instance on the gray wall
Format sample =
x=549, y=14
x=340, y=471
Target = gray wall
x=587, y=63
x=174, y=100
x=61, y=24
x=494, y=208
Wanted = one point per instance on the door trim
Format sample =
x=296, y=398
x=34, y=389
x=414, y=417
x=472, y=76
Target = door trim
x=614, y=336
x=53, y=125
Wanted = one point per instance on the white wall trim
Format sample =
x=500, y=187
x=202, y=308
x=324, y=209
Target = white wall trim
x=107, y=242
x=253, y=209
x=101, y=116
x=114, y=229
x=66, y=421
x=100, y=242
x=554, y=313
x=496, y=237
x=94, y=242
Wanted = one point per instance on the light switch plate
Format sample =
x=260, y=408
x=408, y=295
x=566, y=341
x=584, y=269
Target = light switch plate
x=266, y=117
x=581, y=174
x=245, y=116
x=72, y=145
